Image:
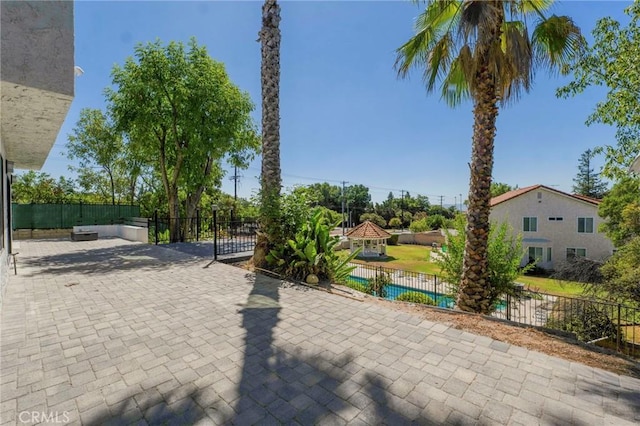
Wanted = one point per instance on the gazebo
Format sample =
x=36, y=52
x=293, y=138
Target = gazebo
x=370, y=237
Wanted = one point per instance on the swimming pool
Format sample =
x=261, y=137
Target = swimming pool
x=395, y=290
x=442, y=300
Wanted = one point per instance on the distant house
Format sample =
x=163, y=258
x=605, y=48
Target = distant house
x=555, y=225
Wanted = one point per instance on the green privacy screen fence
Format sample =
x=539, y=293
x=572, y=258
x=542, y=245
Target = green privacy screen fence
x=61, y=216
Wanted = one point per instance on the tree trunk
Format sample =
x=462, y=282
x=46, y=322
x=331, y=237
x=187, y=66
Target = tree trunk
x=475, y=286
x=270, y=227
x=174, y=216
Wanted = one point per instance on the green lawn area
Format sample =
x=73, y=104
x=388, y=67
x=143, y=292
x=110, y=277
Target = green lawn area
x=416, y=258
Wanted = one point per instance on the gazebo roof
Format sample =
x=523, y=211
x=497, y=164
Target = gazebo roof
x=368, y=230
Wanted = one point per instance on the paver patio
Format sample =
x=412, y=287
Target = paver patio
x=108, y=331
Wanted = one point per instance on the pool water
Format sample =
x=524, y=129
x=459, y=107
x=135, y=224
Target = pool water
x=395, y=290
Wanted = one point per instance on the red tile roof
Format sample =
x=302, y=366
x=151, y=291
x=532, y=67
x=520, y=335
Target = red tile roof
x=517, y=192
x=368, y=230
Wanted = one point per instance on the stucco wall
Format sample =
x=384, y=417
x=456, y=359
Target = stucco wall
x=559, y=235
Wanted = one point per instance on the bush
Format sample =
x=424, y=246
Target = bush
x=436, y=221
x=420, y=225
x=416, y=297
x=393, y=240
x=504, y=254
x=395, y=222
x=362, y=288
x=378, y=286
x=583, y=318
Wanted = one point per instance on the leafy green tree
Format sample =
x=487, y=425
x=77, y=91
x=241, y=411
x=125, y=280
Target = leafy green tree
x=612, y=61
x=375, y=218
x=103, y=157
x=271, y=232
x=587, y=182
x=395, y=222
x=182, y=114
x=420, y=225
x=622, y=273
x=505, y=254
x=499, y=188
x=326, y=195
x=358, y=199
x=39, y=187
x=484, y=50
x=623, y=194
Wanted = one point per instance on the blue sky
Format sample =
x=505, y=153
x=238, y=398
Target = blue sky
x=345, y=116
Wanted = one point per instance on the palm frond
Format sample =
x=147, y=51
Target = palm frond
x=456, y=84
x=556, y=41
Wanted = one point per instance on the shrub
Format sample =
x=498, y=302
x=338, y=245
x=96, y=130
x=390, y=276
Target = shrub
x=436, y=221
x=504, y=254
x=416, y=297
x=378, y=286
x=362, y=288
x=393, y=240
x=420, y=225
x=311, y=251
x=395, y=222
x=583, y=318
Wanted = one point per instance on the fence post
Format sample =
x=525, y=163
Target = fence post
x=215, y=233
x=508, y=307
x=155, y=219
x=619, y=336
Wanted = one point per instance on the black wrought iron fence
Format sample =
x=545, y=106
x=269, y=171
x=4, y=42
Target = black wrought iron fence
x=227, y=236
x=612, y=325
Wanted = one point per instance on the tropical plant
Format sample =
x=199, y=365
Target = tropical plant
x=504, y=254
x=312, y=251
x=484, y=50
x=416, y=297
x=270, y=234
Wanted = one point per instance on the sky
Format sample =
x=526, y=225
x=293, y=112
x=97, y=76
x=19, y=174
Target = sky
x=345, y=114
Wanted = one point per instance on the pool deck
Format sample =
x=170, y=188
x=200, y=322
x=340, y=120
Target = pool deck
x=110, y=332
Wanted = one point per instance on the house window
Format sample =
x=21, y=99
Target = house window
x=530, y=224
x=576, y=252
x=585, y=225
x=535, y=254
x=548, y=254
x=556, y=219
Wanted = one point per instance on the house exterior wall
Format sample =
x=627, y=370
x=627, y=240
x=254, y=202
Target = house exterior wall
x=36, y=88
x=555, y=234
x=37, y=82
x=5, y=226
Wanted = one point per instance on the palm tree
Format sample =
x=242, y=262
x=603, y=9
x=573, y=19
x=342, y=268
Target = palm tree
x=483, y=50
x=270, y=178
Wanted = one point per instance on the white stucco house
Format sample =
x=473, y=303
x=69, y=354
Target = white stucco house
x=37, y=87
x=554, y=224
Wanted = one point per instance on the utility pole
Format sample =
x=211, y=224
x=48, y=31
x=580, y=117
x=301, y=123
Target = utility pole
x=235, y=178
x=455, y=201
x=441, y=198
x=343, y=219
x=460, y=202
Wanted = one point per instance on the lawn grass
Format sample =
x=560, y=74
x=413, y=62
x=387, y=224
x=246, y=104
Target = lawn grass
x=416, y=258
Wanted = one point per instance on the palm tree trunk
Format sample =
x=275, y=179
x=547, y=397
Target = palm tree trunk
x=475, y=286
x=270, y=228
